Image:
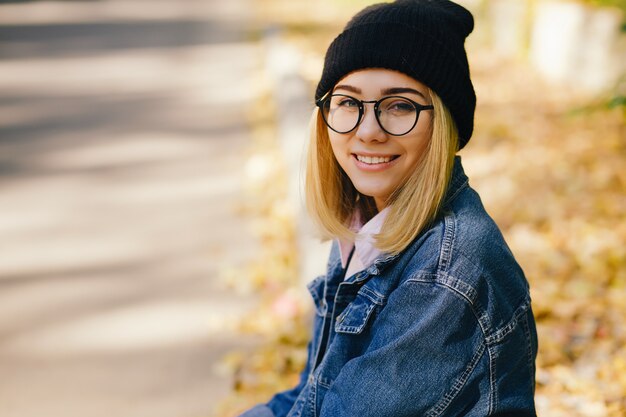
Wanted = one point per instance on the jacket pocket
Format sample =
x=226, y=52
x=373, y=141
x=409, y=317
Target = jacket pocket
x=357, y=314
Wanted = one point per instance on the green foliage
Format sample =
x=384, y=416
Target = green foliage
x=614, y=101
x=617, y=101
x=619, y=4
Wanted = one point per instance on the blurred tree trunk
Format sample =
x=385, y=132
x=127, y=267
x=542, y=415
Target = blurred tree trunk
x=569, y=43
x=577, y=44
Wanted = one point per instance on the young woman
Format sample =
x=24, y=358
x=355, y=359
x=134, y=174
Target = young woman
x=423, y=310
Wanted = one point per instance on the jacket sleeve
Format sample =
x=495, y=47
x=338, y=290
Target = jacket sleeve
x=427, y=351
x=260, y=410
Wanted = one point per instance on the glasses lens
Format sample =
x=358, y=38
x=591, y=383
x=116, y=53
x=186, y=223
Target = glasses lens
x=341, y=113
x=397, y=115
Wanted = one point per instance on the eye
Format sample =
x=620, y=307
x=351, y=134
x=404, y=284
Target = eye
x=347, y=102
x=397, y=106
x=344, y=104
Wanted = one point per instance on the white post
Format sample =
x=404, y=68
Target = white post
x=294, y=106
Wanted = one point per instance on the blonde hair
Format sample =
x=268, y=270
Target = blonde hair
x=331, y=198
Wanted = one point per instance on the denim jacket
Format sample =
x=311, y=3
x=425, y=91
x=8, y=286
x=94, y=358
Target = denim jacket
x=445, y=328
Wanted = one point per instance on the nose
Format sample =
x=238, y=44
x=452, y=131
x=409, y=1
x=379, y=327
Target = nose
x=369, y=129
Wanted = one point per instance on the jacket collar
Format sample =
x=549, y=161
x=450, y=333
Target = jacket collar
x=458, y=181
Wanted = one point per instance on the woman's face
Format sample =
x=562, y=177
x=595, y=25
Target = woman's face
x=376, y=162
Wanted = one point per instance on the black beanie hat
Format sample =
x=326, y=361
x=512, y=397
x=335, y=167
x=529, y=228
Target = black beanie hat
x=420, y=38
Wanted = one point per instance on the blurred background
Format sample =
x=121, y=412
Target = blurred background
x=153, y=246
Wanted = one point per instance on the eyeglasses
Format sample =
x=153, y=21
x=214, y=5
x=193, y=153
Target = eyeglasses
x=396, y=115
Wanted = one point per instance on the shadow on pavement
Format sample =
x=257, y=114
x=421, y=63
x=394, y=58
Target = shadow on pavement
x=121, y=151
x=59, y=40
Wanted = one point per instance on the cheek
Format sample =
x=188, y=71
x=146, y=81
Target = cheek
x=338, y=147
x=419, y=150
x=418, y=147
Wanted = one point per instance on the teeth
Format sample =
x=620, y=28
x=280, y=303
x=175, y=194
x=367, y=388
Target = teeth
x=373, y=160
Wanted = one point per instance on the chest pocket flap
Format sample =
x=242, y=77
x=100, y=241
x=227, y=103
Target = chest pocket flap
x=358, y=313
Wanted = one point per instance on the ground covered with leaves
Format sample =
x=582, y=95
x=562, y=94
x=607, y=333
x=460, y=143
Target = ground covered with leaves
x=549, y=163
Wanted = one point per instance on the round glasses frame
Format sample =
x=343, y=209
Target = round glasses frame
x=361, y=105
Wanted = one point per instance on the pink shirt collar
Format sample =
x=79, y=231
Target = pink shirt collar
x=364, y=250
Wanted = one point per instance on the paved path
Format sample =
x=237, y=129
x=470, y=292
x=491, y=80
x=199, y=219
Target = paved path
x=121, y=147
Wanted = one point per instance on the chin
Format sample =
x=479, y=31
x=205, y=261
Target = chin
x=369, y=192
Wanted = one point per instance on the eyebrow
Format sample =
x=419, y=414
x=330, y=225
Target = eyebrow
x=386, y=91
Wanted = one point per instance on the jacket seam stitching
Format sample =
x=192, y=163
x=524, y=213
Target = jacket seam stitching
x=447, y=242
x=460, y=187
x=466, y=299
x=449, y=396
x=313, y=398
x=343, y=328
x=501, y=333
x=372, y=295
x=481, y=319
x=493, y=393
x=529, y=348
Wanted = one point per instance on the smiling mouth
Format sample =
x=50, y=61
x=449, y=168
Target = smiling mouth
x=374, y=160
